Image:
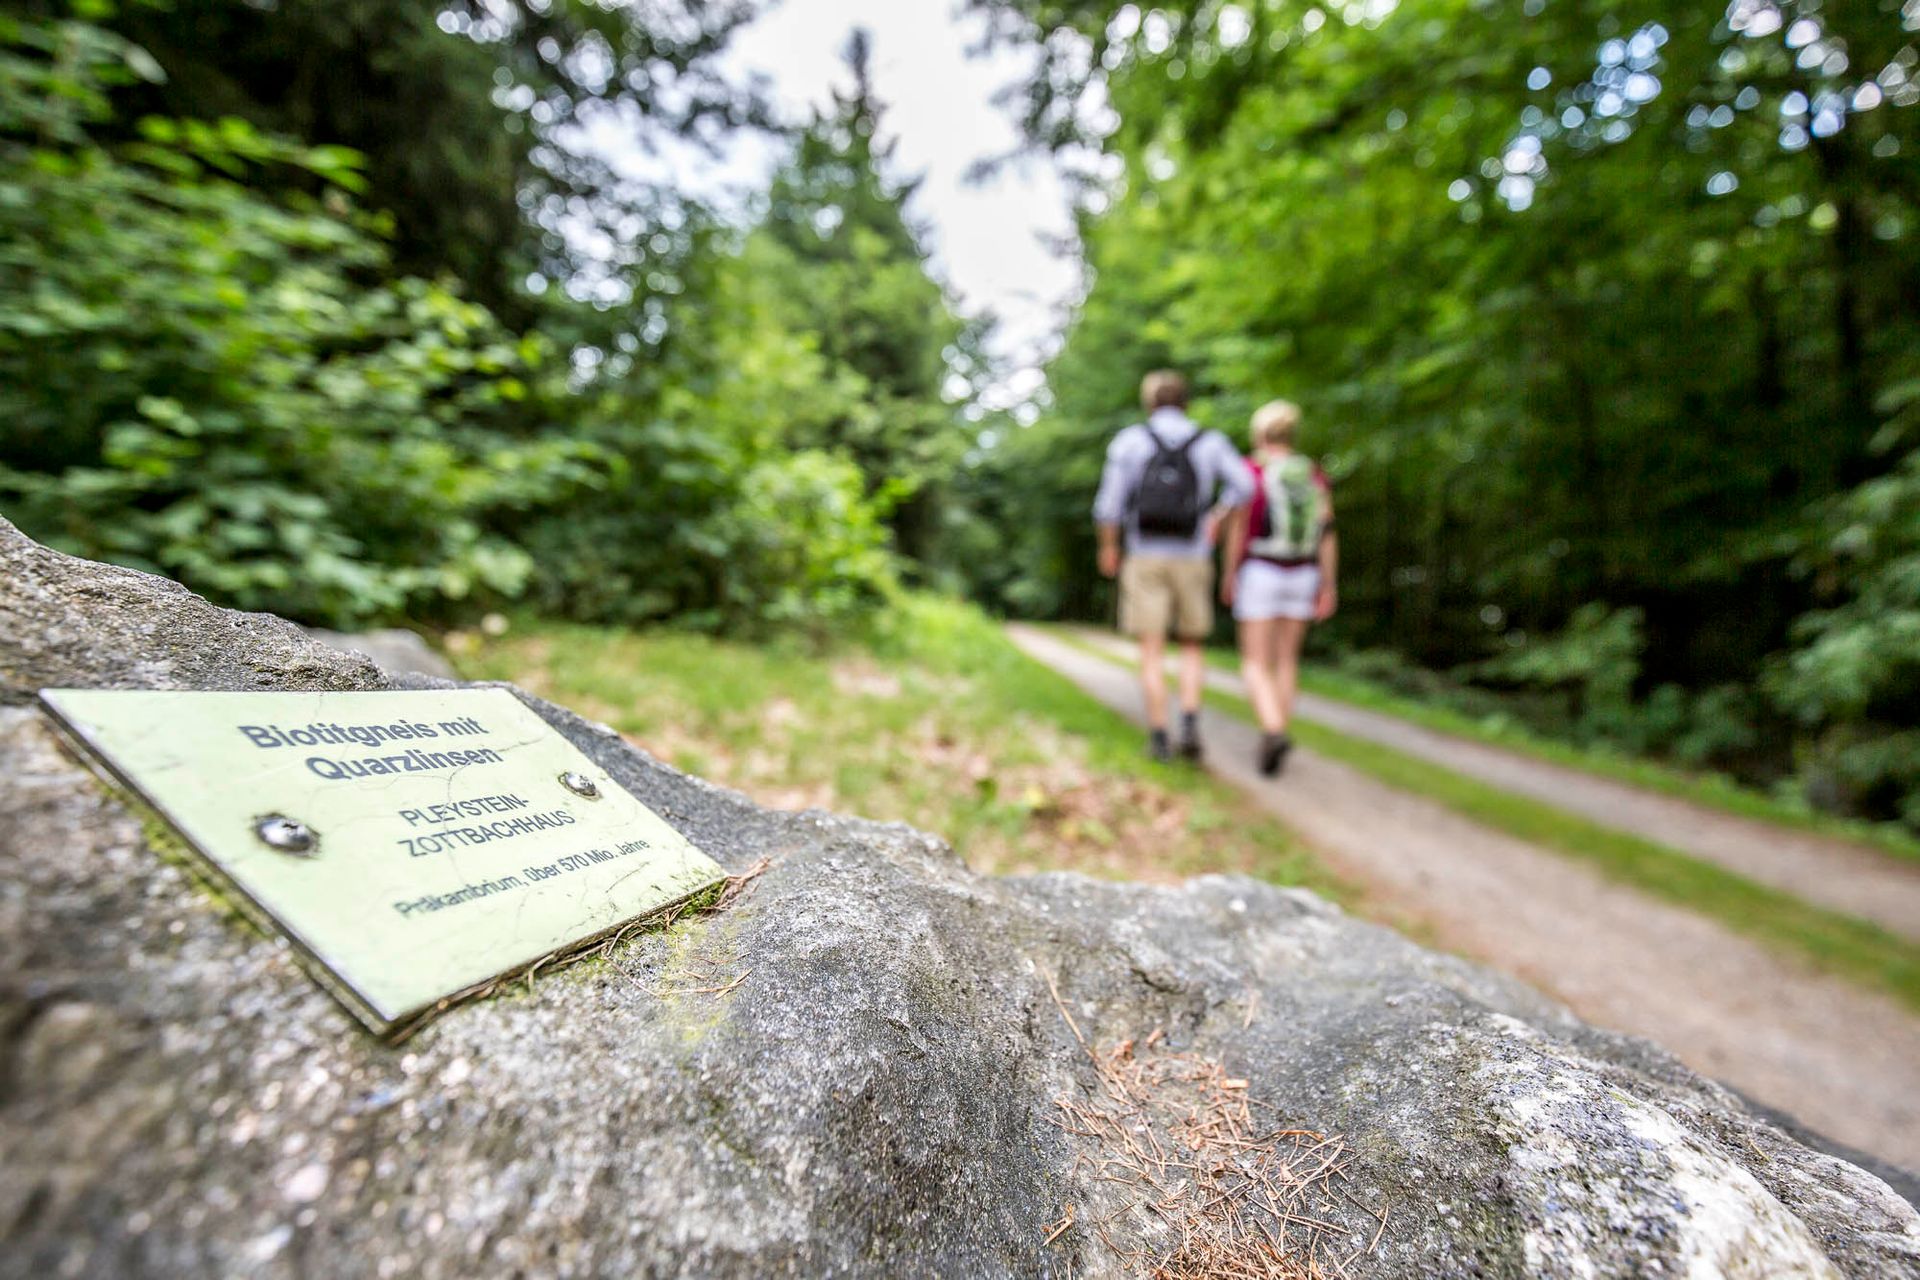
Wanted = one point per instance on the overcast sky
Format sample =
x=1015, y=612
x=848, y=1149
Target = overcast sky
x=987, y=240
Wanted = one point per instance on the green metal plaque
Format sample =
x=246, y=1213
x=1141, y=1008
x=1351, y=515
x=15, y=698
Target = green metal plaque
x=413, y=845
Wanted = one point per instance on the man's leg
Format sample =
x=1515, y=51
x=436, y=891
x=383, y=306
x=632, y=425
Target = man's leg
x=1193, y=677
x=1153, y=689
x=1153, y=678
x=1192, y=624
x=1193, y=674
x=1146, y=610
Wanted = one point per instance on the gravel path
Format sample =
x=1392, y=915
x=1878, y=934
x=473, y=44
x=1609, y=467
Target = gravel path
x=1841, y=1059
x=1851, y=878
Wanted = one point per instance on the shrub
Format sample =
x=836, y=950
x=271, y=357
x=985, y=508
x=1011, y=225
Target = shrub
x=197, y=381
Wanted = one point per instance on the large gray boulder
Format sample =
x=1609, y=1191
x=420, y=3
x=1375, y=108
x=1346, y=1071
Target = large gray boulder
x=860, y=1066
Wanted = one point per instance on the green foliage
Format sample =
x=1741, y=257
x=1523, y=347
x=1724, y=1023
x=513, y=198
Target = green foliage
x=457, y=107
x=786, y=541
x=793, y=434
x=1598, y=654
x=757, y=482
x=196, y=384
x=844, y=270
x=1589, y=306
x=1853, y=678
x=1864, y=651
x=215, y=363
x=809, y=542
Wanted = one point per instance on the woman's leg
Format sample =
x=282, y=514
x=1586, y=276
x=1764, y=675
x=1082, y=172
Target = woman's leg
x=1288, y=635
x=1256, y=642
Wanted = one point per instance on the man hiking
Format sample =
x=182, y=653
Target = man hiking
x=1165, y=488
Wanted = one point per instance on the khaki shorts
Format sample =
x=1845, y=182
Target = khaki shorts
x=1162, y=595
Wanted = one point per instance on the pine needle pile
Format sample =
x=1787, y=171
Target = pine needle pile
x=1194, y=1185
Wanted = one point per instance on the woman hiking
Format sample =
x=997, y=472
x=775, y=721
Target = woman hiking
x=1283, y=560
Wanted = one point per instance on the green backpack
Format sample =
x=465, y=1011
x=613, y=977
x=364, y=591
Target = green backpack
x=1291, y=511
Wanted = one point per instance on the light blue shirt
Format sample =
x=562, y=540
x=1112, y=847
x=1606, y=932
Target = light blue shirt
x=1222, y=473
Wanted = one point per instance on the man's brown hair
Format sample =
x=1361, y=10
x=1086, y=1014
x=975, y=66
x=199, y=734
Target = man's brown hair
x=1163, y=389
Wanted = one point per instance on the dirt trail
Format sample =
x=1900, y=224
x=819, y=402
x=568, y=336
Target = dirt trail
x=1841, y=1059
x=1846, y=877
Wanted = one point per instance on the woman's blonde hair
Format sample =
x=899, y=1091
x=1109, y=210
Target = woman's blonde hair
x=1275, y=422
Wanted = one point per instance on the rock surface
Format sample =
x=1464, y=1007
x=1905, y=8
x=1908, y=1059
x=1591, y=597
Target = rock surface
x=394, y=650
x=876, y=1095
x=69, y=622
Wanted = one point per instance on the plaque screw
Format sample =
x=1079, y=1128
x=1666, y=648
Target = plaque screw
x=580, y=784
x=283, y=833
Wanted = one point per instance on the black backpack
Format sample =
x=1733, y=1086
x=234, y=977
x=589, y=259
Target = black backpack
x=1167, y=502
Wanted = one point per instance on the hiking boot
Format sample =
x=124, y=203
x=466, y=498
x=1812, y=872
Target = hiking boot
x=1190, y=737
x=1273, y=752
x=1157, y=746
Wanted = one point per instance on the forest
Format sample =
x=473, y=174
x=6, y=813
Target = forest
x=1605, y=317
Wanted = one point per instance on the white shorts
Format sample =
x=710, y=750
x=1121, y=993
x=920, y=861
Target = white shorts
x=1267, y=590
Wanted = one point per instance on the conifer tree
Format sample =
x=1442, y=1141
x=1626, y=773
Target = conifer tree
x=852, y=272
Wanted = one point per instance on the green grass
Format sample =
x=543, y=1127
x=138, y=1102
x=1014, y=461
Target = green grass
x=1836, y=943
x=1708, y=789
x=935, y=719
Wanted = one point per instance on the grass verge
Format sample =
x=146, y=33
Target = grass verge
x=1834, y=942
x=1708, y=789
x=933, y=719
